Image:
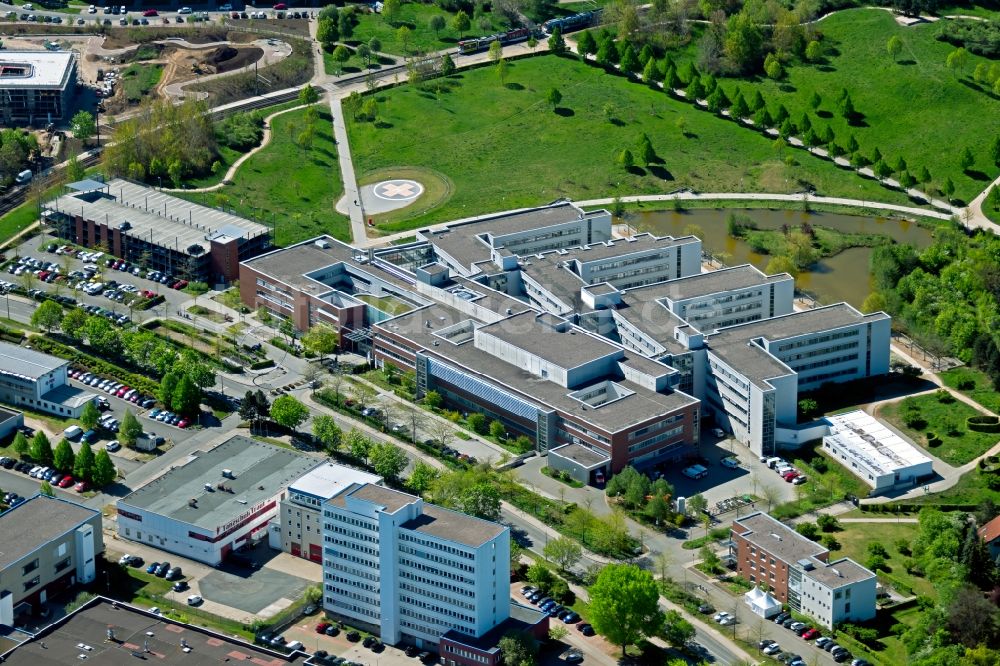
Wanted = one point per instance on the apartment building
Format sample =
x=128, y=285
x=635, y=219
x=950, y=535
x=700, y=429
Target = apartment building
x=300, y=519
x=798, y=572
x=410, y=571
x=550, y=380
x=39, y=382
x=48, y=546
x=146, y=226
x=36, y=87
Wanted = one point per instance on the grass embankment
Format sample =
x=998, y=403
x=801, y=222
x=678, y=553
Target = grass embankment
x=954, y=112
x=503, y=146
x=421, y=38
x=945, y=420
x=287, y=184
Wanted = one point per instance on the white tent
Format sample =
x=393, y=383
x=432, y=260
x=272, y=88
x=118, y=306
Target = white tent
x=762, y=603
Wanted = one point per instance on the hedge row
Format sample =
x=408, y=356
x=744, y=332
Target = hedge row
x=983, y=423
x=915, y=508
x=96, y=365
x=260, y=365
x=933, y=439
x=148, y=303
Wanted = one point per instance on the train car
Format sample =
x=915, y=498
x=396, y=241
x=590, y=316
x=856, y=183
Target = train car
x=571, y=23
x=476, y=44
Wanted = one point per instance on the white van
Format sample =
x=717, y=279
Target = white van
x=24, y=177
x=72, y=432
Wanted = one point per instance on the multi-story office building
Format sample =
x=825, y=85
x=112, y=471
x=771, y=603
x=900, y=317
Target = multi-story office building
x=36, y=87
x=412, y=571
x=301, y=521
x=797, y=571
x=39, y=382
x=148, y=227
x=48, y=546
x=217, y=502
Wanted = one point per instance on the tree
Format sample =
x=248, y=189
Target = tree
x=387, y=459
x=558, y=632
x=847, y=109
x=73, y=323
x=624, y=605
x=403, y=34
x=814, y=51
x=553, y=98
x=437, y=24
x=84, y=126
x=326, y=32
x=83, y=464
x=625, y=159
x=321, y=339
x=676, y=630
x=63, y=457
x=557, y=44
x=995, y=149
x=104, y=471
x=497, y=430
x=45, y=488
x=421, y=477
x=390, y=11
x=948, y=188
x=495, y=51
x=894, y=46
x=308, y=95
x=340, y=56
x=90, y=415
x=48, y=315
x=629, y=62
x=460, y=22
x=433, y=400
x=21, y=446
x=502, y=71
x=358, y=444
x=773, y=67
x=646, y=152
x=586, y=43
x=517, y=648
x=327, y=432
x=130, y=429
x=957, y=60
x=924, y=176
x=287, y=411
x=808, y=530
x=482, y=501
x=739, y=108
x=565, y=552
x=882, y=170
x=828, y=523
x=447, y=65
x=41, y=449
x=907, y=180
x=696, y=505
x=478, y=423
x=186, y=398
x=74, y=170
x=967, y=159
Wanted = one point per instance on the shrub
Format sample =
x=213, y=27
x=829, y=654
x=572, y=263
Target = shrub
x=260, y=365
x=933, y=440
x=944, y=397
x=967, y=385
x=983, y=423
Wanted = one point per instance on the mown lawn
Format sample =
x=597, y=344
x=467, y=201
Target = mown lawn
x=855, y=537
x=421, y=39
x=915, y=107
x=982, y=392
x=292, y=187
x=947, y=420
x=139, y=80
x=503, y=146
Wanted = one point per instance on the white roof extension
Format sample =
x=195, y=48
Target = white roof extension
x=329, y=480
x=872, y=442
x=34, y=69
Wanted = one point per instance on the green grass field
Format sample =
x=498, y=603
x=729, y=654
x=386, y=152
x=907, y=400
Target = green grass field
x=416, y=17
x=284, y=184
x=915, y=108
x=503, y=146
x=983, y=392
x=947, y=420
x=855, y=537
x=139, y=80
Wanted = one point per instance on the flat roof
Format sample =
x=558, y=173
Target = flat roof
x=261, y=471
x=773, y=536
x=587, y=458
x=35, y=69
x=567, y=349
x=69, y=395
x=27, y=363
x=619, y=247
x=642, y=405
x=84, y=634
x=706, y=284
x=453, y=526
x=330, y=479
x=844, y=571
x=521, y=618
x=552, y=273
x=155, y=216
x=391, y=500
x=873, y=443
x=35, y=522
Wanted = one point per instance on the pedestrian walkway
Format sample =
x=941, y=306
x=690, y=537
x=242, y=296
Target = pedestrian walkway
x=351, y=192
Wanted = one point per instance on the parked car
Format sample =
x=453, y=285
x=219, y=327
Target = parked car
x=731, y=462
x=194, y=600
x=810, y=634
x=772, y=649
x=180, y=586
x=151, y=569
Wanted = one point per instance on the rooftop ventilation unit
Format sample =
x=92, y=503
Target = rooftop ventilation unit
x=193, y=503
x=228, y=474
x=209, y=488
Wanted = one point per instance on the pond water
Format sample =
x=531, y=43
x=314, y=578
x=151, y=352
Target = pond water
x=842, y=277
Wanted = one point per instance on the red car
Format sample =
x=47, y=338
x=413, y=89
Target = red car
x=81, y=487
x=281, y=5
x=183, y=423
x=150, y=12
x=788, y=476
x=321, y=627
x=66, y=482
x=810, y=634
x=122, y=391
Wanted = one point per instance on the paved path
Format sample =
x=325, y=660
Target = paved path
x=878, y=520
x=351, y=192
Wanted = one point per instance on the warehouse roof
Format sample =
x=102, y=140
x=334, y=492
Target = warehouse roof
x=35, y=69
x=26, y=363
x=258, y=472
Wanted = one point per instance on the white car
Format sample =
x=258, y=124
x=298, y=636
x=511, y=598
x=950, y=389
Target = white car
x=92, y=9
x=294, y=645
x=194, y=600
x=772, y=649
x=720, y=615
x=185, y=10
x=112, y=446
x=125, y=559
x=727, y=621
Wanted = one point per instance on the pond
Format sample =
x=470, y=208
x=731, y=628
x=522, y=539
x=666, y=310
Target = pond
x=843, y=277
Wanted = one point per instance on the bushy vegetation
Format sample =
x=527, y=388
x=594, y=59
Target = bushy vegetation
x=241, y=131
x=15, y=148
x=979, y=37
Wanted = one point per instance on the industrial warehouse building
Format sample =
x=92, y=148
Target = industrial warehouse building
x=47, y=545
x=161, y=232
x=36, y=87
x=217, y=502
x=38, y=382
x=873, y=452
